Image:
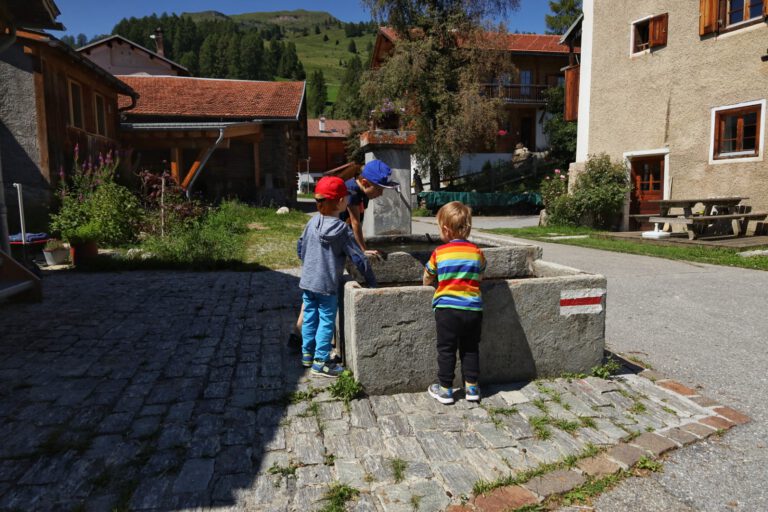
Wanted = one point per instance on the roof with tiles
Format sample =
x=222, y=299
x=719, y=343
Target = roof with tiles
x=186, y=97
x=528, y=43
x=338, y=128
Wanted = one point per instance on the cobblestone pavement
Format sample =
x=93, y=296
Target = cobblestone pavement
x=169, y=391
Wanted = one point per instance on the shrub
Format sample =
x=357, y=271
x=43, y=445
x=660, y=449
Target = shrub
x=115, y=213
x=553, y=187
x=94, y=207
x=598, y=195
x=600, y=192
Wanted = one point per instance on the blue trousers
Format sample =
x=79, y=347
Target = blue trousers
x=319, y=324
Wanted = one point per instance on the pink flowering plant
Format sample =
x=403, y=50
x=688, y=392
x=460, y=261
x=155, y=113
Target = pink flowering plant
x=553, y=187
x=93, y=206
x=387, y=108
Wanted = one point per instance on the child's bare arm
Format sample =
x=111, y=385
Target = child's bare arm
x=428, y=279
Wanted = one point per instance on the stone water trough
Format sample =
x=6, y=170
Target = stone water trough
x=540, y=319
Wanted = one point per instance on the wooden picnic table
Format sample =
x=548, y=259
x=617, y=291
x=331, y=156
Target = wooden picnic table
x=718, y=218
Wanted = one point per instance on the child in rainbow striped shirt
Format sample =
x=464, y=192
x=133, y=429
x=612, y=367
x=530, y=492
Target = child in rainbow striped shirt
x=457, y=266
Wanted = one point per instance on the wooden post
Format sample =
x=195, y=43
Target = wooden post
x=193, y=168
x=177, y=163
x=256, y=166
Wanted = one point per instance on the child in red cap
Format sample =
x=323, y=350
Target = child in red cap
x=323, y=248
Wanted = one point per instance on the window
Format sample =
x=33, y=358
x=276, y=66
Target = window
x=737, y=132
x=738, y=11
x=716, y=16
x=75, y=105
x=649, y=33
x=101, y=114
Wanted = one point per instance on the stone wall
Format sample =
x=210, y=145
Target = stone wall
x=390, y=341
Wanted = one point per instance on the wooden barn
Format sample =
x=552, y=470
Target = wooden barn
x=221, y=138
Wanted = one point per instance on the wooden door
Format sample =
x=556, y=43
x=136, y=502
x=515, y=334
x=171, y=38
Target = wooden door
x=648, y=184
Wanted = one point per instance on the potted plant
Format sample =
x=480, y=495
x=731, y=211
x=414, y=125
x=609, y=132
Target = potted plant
x=387, y=115
x=55, y=252
x=83, y=243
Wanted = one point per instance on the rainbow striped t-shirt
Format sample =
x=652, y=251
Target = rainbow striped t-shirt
x=458, y=266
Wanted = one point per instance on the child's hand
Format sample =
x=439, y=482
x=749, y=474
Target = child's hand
x=377, y=255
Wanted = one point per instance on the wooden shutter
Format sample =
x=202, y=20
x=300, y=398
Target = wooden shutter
x=765, y=9
x=708, y=15
x=658, y=30
x=572, y=93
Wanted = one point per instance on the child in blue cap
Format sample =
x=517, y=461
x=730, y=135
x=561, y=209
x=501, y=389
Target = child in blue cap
x=369, y=185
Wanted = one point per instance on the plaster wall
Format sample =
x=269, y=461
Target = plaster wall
x=19, y=143
x=664, y=98
x=120, y=59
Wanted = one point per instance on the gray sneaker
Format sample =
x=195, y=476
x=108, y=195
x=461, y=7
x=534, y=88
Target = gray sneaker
x=441, y=394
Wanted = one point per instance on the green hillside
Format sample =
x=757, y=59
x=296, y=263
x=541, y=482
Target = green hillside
x=291, y=20
x=313, y=51
x=315, y=54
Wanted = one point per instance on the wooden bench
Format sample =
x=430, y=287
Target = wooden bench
x=697, y=223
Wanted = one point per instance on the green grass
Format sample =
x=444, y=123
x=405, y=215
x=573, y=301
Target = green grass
x=398, y=469
x=233, y=236
x=337, y=496
x=345, y=387
x=696, y=254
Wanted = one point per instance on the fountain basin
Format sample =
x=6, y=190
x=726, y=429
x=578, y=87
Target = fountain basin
x=540, y=319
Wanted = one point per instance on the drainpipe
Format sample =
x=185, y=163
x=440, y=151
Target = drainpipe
x=205, y=161
x=6, y=40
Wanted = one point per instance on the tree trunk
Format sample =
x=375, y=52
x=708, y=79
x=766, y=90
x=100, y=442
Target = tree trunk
x=434, y=178
x=419, y=185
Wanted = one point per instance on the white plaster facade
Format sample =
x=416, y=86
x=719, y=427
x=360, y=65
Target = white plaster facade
x=663, y=101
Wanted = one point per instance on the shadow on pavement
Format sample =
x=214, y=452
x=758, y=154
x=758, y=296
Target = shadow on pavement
x=146, y=390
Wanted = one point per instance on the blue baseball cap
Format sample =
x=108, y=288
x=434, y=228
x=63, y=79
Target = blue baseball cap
x=378, y=173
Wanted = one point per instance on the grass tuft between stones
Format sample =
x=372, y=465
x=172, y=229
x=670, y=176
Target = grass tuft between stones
x=337, y=497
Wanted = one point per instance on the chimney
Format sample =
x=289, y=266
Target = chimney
x=322, y=124
x=158, y=37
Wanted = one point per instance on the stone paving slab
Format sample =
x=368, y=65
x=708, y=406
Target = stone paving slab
x=166, y=391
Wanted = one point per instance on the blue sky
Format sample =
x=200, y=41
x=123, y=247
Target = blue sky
x=92, y=17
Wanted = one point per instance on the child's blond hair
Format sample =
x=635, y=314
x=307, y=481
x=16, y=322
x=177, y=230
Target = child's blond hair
x=325, y=205
x=457, y=219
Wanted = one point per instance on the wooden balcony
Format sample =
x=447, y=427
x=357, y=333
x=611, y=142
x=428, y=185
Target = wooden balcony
x=523, y=94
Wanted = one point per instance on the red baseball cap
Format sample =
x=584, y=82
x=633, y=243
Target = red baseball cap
x=331, y=187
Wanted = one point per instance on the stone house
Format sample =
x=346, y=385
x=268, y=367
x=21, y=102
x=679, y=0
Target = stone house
x=120, y=56
x=678, y=91
x=52, y=99
x=224, y=138
x=540, y=61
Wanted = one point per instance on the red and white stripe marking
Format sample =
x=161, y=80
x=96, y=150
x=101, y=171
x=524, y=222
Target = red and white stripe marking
x=586, y=301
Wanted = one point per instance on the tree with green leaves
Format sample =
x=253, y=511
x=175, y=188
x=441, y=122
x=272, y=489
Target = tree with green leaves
x=349, y=104
x=437, y=69
x=317, y=93
x=561, y=133
x=251, y=56
x=207, y=60
x=564, y=13
x=352, y=47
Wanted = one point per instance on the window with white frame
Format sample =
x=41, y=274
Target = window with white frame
x=737, y=131
x=649, y=33
x=738, y=11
